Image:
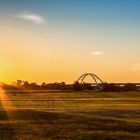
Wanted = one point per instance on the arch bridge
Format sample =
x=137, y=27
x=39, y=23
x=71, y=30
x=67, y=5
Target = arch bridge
x=96, y=80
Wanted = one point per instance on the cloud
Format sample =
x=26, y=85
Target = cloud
x=31, y=17
x=136, y=67
x=97, y=53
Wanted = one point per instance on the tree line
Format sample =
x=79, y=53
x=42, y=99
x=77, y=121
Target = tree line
x=76, y=86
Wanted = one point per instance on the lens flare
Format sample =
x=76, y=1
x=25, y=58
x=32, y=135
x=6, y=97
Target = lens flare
x=4, y=100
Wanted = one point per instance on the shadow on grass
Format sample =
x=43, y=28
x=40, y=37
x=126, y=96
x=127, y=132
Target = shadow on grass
x=31, y=124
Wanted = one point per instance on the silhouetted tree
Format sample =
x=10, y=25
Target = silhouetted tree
x=19, y=82
x=130, y=87
x=77, y=86
x=87, y=86
x=26, y=84
x=110, y=87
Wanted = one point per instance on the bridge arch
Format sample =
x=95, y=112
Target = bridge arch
x=96, y=80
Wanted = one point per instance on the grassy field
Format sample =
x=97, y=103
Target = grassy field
x=76, y=116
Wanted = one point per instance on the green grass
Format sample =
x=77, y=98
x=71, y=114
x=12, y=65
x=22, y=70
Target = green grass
x=80, y=116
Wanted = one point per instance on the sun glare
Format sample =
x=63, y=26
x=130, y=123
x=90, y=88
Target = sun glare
x=5, y=101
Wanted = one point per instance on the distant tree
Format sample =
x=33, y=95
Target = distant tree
x=26, y=84
x=62, y=85
x=77, y=86
x=110, y=87
x=87, y=86
x=9, y=87
x=19, y=82
x=34, y=85
x=130, y=87
x=43, y=84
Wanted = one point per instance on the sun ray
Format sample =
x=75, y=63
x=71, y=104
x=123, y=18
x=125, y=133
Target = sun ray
x=5, y=101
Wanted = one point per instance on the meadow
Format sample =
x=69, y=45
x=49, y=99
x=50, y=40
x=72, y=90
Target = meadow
x=76, y=115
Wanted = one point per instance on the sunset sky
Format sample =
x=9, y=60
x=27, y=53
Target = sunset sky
x=58, y=40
